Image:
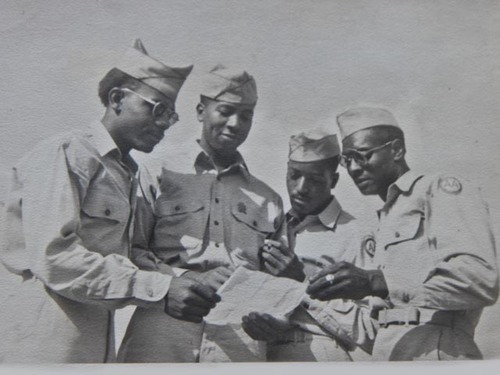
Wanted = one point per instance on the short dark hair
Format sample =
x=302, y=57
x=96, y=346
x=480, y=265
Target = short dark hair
x=387, y=133
x=115, y=78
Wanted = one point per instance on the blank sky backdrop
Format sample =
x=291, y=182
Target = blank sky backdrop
x=434, y=63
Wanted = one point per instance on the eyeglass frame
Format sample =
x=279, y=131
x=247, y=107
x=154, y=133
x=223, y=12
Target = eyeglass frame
x=363, y=156
x=172, y=116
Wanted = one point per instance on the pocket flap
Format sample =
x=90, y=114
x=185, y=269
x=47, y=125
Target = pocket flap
x=406, y=229
x=253, y=216
x=105, y=206
x=169, y=208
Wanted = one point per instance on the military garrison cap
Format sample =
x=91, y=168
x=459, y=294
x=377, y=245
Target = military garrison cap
x=166, y=79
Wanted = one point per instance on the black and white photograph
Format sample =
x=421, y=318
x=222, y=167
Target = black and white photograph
x=249, y=183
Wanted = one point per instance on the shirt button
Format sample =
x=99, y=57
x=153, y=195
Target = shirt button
x=254, y=223
x=397, y=234
x=406, y=298
x=305, y=305
x=177, y=208
x=150, y=292
x=218, y=178
x=216, y=200
x=216, y=244
x=216, y=222
x=107, y=212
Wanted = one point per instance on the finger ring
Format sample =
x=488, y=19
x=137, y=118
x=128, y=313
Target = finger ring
x=329, y=278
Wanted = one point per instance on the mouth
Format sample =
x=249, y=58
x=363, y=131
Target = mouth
x=229, y=136
x=363, y=182
x=301, y=201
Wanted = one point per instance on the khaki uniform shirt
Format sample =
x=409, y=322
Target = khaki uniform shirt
x=202, y=219
x=67, y=240
x=333, y=235
x=435, y=247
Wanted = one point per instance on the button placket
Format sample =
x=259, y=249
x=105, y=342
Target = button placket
x=216, y=214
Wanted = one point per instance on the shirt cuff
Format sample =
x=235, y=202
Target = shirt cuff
x=151, y=286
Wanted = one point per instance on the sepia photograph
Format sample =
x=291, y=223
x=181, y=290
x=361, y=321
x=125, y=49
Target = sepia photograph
x=254, y=184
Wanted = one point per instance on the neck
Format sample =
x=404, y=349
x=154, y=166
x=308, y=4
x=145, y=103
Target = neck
x=111, y=125
x=220, y=159
x=398, y=172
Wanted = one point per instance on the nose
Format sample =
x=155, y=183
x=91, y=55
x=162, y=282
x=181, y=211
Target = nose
x=302, y=186
x=233, y=120
x=354, y=168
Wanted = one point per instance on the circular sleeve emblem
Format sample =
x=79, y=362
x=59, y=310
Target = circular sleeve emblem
x=369, y=245
x=450, y=185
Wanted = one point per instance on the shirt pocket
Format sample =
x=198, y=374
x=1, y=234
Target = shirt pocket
x=180, y=225
x=254, y=218
x=104, y=222
x=408, y=228
x=106, y=207
x=251, y=226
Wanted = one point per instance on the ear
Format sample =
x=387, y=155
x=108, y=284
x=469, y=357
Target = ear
x=115, y=96
x=398, y=149
x=335, y=179
x=199, y=111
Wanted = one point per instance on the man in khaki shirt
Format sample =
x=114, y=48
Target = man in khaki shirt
x=69, y=221
x=319, y=232
x=434, y=248
x=209, y=217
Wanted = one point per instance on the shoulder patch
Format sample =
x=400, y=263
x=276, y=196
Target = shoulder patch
x=450, y=185
x=368, y=245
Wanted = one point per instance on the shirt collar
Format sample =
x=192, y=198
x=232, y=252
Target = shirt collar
x=101, y=138
x=204, y=163
x=328, y=217
x=403, y=184
x=104, y=144
x=330, y=214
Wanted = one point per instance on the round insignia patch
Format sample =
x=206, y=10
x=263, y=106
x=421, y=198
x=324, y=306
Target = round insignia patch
x=369, y=245
x=450, y=185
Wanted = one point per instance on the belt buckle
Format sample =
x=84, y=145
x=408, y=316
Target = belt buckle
x=412, y=315
x=382, y=318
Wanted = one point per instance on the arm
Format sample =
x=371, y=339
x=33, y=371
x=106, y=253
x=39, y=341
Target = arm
x=465, y=275
x=54, y=251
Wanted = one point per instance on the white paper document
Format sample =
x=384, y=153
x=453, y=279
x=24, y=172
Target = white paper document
x=249, y=291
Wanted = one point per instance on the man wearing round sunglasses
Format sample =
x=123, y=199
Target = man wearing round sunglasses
x=69, y=224
x=435, y=254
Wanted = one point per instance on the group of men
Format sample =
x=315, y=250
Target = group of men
x=88, y=231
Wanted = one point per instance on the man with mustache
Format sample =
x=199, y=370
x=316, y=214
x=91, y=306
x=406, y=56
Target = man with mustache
x=207, y=222
x=434, y=248
x=320, y=233
x=69, y=223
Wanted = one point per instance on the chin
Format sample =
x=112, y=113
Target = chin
x=368, y=191
x=146, y=148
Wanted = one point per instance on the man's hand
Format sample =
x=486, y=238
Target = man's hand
x=213, y=278
x=344, y=280
x=265, y=327
x=281, y=261
x=189, y=300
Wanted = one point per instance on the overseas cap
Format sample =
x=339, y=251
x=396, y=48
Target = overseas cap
x=229, y=85
x=356, y=119
x=167, y=80
x=313, y=145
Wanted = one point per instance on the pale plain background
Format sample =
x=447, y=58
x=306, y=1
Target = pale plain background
x=434, y=63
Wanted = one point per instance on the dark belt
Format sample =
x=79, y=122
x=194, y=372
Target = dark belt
x=417, y=316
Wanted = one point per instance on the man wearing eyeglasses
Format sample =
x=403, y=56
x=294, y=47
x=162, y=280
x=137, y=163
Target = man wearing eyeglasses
x=69, y=223
x=434, y=248
x=210, y=216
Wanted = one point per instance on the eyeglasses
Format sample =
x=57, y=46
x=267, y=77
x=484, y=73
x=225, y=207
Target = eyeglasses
x=360, y=157
x=160, y=110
